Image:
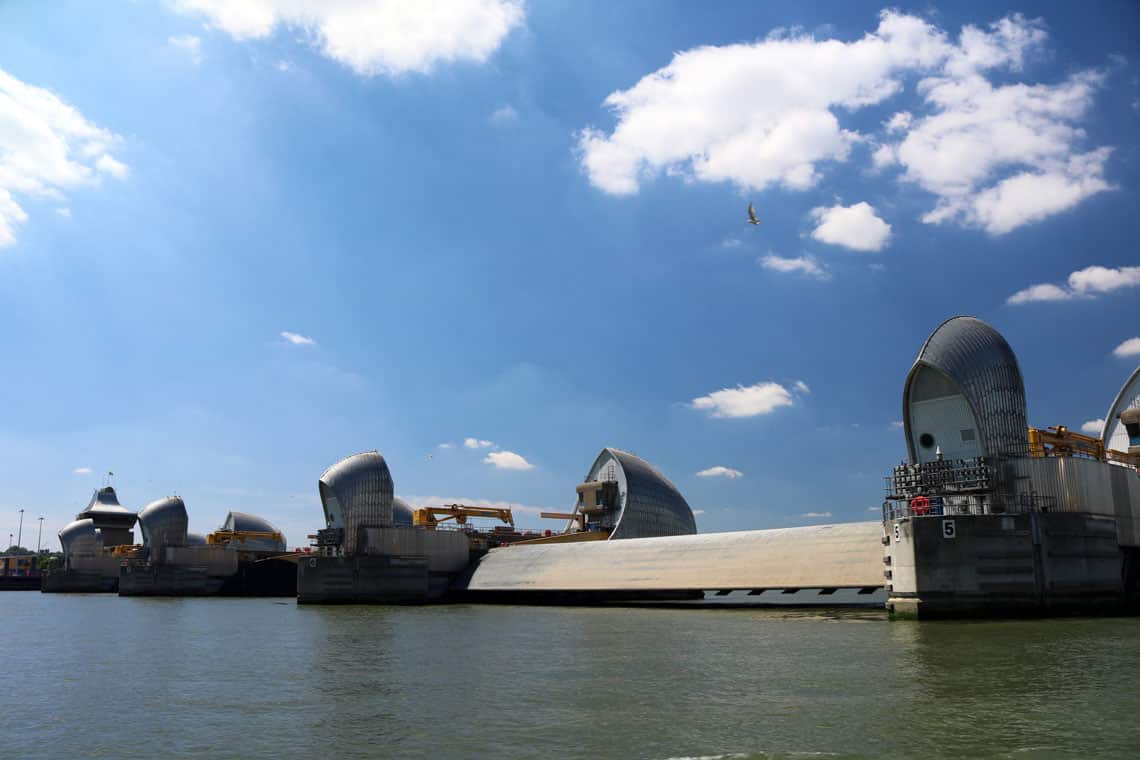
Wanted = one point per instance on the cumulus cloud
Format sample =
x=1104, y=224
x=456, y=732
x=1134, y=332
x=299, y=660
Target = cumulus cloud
x=508, y=460
x=741, y=401
x=382, y=37
x=755, y=114
x=1084, y=283
x=297, y=339
x=815, y=515
x=804, y=265
x=504, y=115
x=82, y=471
x=720, y=472
x=769, y=113
x=475, y=443
x=1092, y=427
x=46, y=147
x=189, y=44
x=1130, y=347
x=857, y=227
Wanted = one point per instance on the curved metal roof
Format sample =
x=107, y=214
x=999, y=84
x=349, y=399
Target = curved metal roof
x=652, y=505
x=80, y=537
x=1128, y=398
x=401, y=512
x=357, y=489
x=977, y=359
x=195, y=539
x=164, y=522
x=105, y=501
x=245, y=522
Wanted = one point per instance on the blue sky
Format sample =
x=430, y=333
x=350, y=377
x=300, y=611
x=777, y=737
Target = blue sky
x=524, y=224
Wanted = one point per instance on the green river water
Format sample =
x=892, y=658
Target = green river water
x=102, y=677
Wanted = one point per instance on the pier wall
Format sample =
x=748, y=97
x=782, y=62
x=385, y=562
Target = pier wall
x=1030, y=563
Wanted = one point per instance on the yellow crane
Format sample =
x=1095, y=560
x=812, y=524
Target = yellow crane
x=1059, y=441
x=430, y=517
x=227, y=537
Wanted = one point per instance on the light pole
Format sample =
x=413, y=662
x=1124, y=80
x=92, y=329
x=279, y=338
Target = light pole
x=39, y=535
x=20, y=530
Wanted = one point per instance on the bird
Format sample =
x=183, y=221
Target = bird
x=752, y=219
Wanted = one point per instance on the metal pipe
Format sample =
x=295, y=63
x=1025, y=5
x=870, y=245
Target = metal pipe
x=20, y=530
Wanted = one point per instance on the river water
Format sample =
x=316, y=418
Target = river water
x=102, y=677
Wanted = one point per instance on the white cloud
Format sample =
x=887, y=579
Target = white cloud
x=508, y=460
x=380, y=37
x=802, y=387
x=64, y=212
x=109, y=165
x=805, y=265
x=900, y=122
x=874, y=509
x=731, y=242
x=754, y=114
x=82, y=471
x=698, y=512
x=1043, y=292
x=446, y=446
x=283, y=66
x=189, y=44
x=815, y=514
x=897, y=425
x=769, y=113
x=1130, y=347
x=475, y=443
x=46, y=147
x=857, y=227
x=504, y=115
x=297, y=339
x=720, y=472
x=1084, y=283
x=1092, y=427
x=751, y=401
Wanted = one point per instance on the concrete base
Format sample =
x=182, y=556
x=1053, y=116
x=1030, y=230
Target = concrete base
x=167, y=580
x=19, y=583
x=365, y=580
x=78, y=582
x=1004, y=565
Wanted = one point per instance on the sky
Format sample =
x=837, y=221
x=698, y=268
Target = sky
x=242, y=239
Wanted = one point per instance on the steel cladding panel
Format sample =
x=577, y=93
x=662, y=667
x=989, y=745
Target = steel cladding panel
x=652, y=506
x=245, y=522
x=401, y=512
x=164, y=523
x=848, y=555
x=80, y=537
x=980, y=362
x=1114, y=434
x=362, y=486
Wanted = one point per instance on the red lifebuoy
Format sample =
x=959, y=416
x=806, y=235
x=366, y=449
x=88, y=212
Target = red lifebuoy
x=920, y=505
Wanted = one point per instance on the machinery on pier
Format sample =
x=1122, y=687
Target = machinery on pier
x=431, y=517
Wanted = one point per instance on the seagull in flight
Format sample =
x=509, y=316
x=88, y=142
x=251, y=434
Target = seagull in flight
x=752, y=219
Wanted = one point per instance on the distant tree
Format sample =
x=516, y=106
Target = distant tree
x=47, y=560
x=13, y=549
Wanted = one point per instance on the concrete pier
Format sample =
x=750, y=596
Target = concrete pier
x=1004, y=565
